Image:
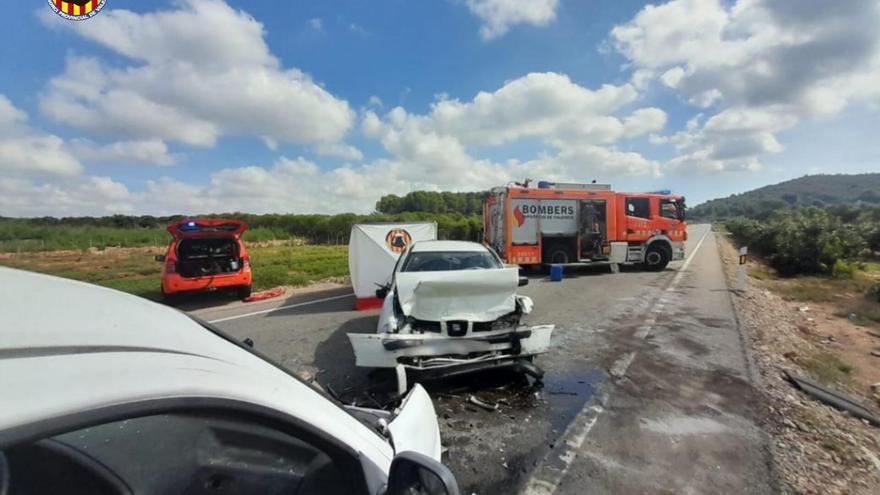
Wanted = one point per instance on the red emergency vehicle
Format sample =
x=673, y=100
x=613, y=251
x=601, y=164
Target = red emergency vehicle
x=562, y=223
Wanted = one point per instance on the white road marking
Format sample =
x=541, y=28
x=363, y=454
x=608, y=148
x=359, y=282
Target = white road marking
x=279, y=308
x=553, y=468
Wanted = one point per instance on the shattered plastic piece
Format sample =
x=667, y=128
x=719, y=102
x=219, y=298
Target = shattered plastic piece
x=400, y=371
x=485, y=405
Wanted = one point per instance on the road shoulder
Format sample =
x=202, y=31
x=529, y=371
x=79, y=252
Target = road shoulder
x=679, y=414
x=816, y=449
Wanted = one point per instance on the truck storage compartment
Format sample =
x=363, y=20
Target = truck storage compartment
x=200, y=257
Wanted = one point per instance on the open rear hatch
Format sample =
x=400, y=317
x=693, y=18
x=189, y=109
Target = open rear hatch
x=208, y=247
x=208, y=256
x=188, y=229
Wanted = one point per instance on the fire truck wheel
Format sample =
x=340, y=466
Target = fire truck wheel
x=557, y=255
x=656, y=258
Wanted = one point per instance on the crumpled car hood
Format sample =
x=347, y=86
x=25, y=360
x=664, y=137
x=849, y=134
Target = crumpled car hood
x=475, y=295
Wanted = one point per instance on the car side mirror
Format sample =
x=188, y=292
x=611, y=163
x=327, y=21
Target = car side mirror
x=412, y=472
x=160, y=258
x=523, y=281
x=382, y=291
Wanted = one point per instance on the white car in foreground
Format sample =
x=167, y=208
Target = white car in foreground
x=452, y=307
x=107, y=393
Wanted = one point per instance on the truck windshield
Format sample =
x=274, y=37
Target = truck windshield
x=671, y=208
x=449, y=261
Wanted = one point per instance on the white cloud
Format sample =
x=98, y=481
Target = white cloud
x=316, y=24
x=25, y=151
x=198, y=72
x=537, y=105
x=498, y=16
x=10, y=116
x=375, y=102
x=42, y=154
x=28, y=151
x=152, y=151
x=762, y=65
x=340, y=150
x=78, y=196
x=579, y=126
x=643, y=121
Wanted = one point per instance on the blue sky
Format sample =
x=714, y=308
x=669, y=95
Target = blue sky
x=194, y=106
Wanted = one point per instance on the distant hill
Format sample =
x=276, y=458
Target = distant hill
x=809, y=190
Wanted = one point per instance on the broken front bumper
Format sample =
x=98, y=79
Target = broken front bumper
x=387, y=350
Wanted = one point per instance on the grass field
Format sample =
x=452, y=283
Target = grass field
x=134, y=270
x=847, y=294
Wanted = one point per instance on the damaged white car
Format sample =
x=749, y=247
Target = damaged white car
x=451, y=307
x=116, y=395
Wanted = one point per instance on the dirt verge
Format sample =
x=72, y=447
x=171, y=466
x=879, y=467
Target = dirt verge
x=817, y=449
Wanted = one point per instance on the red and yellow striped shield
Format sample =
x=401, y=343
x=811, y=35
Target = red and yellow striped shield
x=76, y=9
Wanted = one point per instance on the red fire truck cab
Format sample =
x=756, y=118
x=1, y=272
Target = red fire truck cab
x=557, y=223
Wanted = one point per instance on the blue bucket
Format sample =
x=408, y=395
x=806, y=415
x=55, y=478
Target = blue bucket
x=556, y=273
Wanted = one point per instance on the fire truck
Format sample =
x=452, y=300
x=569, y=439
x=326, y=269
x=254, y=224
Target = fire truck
x=566, y=223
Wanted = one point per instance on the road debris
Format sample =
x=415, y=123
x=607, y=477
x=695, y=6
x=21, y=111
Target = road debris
x=485, y=405
x=266, y=294
x=833, y=398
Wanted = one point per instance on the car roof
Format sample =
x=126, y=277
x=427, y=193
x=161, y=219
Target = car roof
x=67, y=347
x=447, y=246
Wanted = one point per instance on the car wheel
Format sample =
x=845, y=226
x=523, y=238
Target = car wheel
x=656, y=258
x=244, y=292
x=170, y=299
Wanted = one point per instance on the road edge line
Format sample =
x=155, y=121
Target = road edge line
x=279, y=308
x=589, y=415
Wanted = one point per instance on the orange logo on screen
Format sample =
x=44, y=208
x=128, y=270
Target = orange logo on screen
x=397, y=240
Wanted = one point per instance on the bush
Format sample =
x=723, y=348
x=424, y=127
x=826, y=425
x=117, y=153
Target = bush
x=801, y=241
x=842, y=269
x=873, y=293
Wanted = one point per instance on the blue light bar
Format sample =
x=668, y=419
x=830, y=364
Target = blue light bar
x=188, y=226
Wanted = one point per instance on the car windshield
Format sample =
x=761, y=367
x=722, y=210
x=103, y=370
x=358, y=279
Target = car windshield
x=449, y=261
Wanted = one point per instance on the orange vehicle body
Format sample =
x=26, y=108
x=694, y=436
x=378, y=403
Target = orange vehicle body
x=584, y=223
x=206, y=254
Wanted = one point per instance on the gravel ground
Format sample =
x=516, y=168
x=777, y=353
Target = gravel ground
x=816, y=449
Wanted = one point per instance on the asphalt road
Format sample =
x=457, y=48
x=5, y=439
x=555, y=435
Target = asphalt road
x=647, y=387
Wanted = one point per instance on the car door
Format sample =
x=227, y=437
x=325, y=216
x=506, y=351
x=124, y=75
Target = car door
x=173, y=448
